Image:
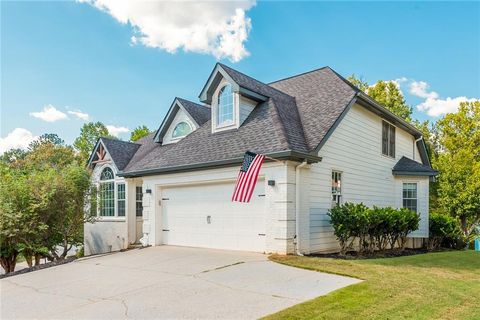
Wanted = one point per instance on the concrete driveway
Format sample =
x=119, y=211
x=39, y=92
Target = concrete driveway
x=163, y=282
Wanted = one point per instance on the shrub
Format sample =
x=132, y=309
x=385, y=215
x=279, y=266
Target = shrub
x=443, y=228
x=374, y=228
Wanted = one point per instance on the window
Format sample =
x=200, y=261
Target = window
x=225, y=105
x=107, y=193
x=388, y=139
x=410, y=196
x=138, y=201
x=181, y=130
x=121, y=200
x=336, y=187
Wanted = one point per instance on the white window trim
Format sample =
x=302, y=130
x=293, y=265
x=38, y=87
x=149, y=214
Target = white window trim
x=341, y=186
x=115, y=217
x=172, y=138
x=418, y=192
x=230, y=124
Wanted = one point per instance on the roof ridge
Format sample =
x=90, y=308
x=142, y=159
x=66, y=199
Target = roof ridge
x=299, y=75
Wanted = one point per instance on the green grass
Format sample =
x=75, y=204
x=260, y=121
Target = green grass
x=444, y=285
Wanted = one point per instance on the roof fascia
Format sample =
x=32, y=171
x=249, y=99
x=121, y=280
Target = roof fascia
x=283, y=155
x=368, y=102
x=336, y=123
x=414, y=173
x=252, y=95
x=377, y=108
x=205, y=95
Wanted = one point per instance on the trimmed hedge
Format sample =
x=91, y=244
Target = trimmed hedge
x=373, y=228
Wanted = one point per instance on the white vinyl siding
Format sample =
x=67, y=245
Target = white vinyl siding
x=354, y=148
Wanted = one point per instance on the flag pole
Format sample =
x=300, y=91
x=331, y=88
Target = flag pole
x=270, y=158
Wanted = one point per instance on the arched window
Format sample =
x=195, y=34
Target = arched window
x=225, y=105
x=107, y=193
x=181, y=129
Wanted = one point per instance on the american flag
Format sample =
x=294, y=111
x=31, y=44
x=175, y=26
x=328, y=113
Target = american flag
x=247, y=177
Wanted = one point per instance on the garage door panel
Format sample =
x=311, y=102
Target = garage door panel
x=232, y=225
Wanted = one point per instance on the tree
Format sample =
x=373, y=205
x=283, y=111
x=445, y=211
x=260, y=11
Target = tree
x=388, y=94
x=139, y=132
x=459, y=165
x=360, y=83
x=46, y=138
x=89, y=134
x=43, y=197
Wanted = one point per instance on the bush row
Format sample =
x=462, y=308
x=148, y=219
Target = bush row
x=370, y=229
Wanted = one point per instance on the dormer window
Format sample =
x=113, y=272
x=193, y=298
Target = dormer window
x=181, y=130
x=225, y=105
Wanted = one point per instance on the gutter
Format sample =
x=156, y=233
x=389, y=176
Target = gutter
x=281, y=155
x=297, y=206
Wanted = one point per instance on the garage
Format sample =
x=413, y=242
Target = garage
x=203, y=215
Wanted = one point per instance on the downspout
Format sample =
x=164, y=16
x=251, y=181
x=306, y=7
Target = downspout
x=414, y=145
x=297, y=207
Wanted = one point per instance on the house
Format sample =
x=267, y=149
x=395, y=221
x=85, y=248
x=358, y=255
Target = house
x=332, y=144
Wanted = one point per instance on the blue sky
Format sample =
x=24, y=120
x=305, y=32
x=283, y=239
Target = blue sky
x=123, y=66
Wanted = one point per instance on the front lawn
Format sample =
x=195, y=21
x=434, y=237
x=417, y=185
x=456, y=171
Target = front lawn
x=444, y=285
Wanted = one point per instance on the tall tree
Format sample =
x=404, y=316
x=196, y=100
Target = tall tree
x=89, y=134
x=139, y=132
x=459, y=165
x=360, y=83
x=388, y=94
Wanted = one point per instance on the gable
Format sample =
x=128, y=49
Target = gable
x=180, y=117
x=112, y=151
x=181, y=110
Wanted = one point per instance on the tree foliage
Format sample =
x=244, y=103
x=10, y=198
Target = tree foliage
x=139, y=132
x=388, y=94
x=89, y=134
x=42, y=200
x=459, y=165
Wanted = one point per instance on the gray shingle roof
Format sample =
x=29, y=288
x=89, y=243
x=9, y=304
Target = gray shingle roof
x=406, y=166
x=321, y=96
x=298, y=116
x=120, y=151
x=200, y=113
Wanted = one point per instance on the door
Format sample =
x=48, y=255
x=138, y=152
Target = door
x=203, y=215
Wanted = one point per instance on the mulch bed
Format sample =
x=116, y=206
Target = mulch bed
x=39, y=267
x=353, y=255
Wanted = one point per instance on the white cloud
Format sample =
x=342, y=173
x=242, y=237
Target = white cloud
x=115, y=131
x=18, y=138
x=49, y=114
x=420, y=89
x=79, y=114
x=219, y=28
x=433, y=105
x=436, y=107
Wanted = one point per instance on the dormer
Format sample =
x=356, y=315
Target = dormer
x=230, y=99
x=182, y=118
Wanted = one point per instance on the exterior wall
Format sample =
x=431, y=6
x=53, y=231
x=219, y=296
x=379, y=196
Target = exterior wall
x=279, y=201
x=246, y=106
x=354, y=148
x=422, y=202
x=107, y=234
x=181, y=116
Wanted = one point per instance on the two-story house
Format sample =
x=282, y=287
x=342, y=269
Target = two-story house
x=333, y=144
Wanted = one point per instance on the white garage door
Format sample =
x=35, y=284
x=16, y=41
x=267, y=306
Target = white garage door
x=204, y=216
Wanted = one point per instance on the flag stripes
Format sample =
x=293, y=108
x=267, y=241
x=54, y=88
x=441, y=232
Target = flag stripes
x=247, y=177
